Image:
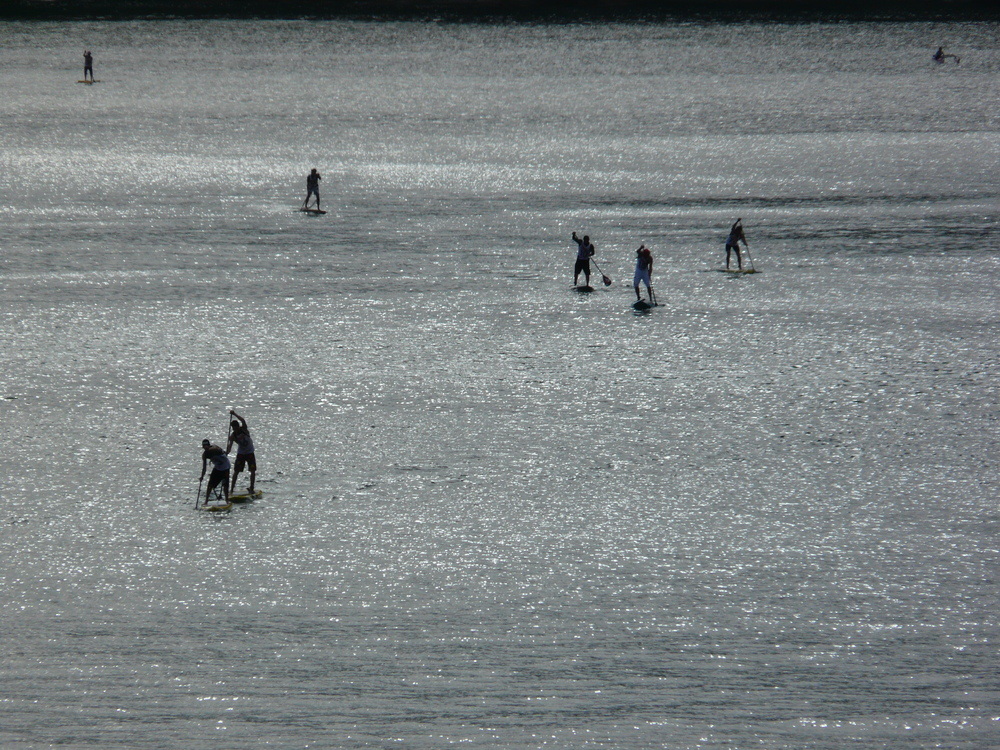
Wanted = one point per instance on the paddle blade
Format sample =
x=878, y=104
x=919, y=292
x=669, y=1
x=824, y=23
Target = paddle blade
x=606, y=280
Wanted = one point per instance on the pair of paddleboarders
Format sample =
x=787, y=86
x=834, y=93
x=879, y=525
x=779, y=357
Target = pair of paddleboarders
x=245, y=458
x=643, y=267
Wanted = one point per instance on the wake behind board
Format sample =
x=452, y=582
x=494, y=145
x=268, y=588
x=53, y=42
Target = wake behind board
x=245, y=497
x=313, y=211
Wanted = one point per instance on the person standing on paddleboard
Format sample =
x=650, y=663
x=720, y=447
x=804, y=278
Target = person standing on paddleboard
x=312, y=188
x=88, y=65
x=733, y=243
x=240, y=435
x=584, y=252
x=220, y=468
x=643, y=272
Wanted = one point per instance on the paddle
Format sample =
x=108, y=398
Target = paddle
x=229, y=432
x=652, y=297
x=604, y=277
x=746, y=245
x=197, y=498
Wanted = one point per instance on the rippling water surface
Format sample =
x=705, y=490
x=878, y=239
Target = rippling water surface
x=500, y=513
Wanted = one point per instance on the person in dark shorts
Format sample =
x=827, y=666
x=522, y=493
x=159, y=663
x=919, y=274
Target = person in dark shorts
x=240, y=435
x=88, y=65
x=312, y=188
x=584, y=252
x=220, y=468
x=733, y=243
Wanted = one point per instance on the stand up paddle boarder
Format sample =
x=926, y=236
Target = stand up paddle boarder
x=220, y=468
x=733, y=243
x=584, y=252
x=643, y=272
x=240, y=435
x=88, y=65
x=940, y=56
x=312, y=188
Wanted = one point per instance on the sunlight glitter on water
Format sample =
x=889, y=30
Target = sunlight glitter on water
x=498, y=511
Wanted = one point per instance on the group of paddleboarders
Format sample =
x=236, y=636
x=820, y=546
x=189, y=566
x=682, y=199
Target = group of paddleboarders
x=245, y=458
x=644, y=261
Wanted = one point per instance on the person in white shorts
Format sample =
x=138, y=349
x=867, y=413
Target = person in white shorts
x=643, y=272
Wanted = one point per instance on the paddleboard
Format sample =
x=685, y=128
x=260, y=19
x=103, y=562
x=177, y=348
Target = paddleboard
x=583, y=289
x=244, y=497
x=217, y=508
x=89, y=82
x=314, y=211
x=643, y=305
x=737, y=270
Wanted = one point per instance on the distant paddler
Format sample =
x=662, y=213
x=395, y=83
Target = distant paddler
x=643, y=273
x=88, y=65
x=736, y=236
x=240, y=435
x=312, y=188
x=940, y=56
x=220, y=468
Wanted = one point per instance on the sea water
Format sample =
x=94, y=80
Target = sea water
x=500, y=513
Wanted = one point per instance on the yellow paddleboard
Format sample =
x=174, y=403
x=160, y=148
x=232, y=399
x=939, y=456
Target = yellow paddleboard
x=243, y=497
x=217, y=508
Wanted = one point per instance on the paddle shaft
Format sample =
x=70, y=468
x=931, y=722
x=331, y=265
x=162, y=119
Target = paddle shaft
x=604, y=277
